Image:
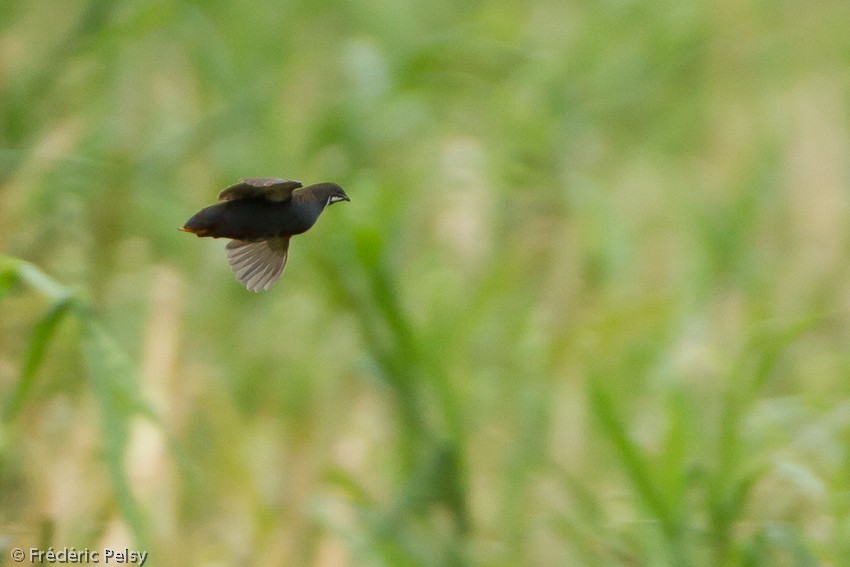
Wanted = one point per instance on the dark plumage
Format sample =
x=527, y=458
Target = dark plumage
x=261, y=214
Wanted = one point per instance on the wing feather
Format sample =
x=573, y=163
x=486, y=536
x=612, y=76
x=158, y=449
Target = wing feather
x=258, y=265
x=270, y=188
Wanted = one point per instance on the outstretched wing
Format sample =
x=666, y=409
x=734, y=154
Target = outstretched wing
x=270, y=188
x=258, y=265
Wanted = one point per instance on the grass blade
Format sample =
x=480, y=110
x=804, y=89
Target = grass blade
x=110, y=375
x=39, y=341
x=638, y=471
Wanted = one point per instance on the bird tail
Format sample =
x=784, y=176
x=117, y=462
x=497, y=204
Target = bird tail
x=204, y=222
x=193, y=230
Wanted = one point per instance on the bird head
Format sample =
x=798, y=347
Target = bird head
x=334, y=193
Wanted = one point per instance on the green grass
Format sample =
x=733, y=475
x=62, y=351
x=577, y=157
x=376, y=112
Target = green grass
x=587, y=305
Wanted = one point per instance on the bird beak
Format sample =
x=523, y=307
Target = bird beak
x=337, y=199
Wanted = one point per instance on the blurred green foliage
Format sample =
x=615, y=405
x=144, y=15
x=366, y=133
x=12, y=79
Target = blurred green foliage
x=588, y=304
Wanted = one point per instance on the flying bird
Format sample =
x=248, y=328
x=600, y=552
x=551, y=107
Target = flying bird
x=260, y=215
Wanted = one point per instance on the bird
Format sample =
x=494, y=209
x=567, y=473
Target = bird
x=260, y=215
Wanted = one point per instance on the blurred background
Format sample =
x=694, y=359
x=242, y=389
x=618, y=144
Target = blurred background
x=589, y=303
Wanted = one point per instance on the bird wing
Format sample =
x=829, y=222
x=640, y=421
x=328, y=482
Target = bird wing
x=258, y=265
x=270, y=188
